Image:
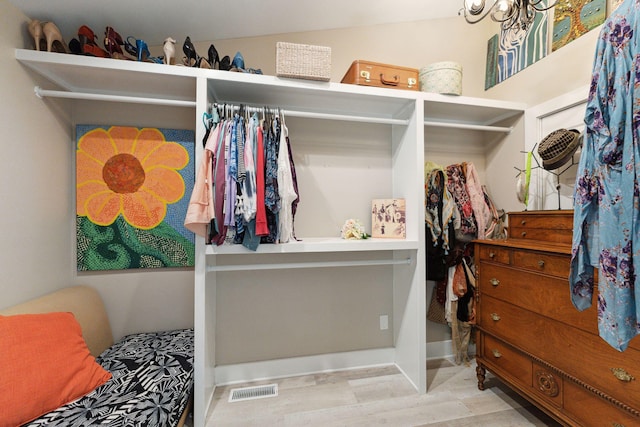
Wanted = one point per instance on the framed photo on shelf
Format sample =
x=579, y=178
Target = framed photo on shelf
x=388, y=218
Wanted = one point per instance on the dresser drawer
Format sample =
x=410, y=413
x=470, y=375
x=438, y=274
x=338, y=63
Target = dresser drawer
x=554, y=220
x=541, y=234
x=514, y=325
x=595, y=362
x=541, y=262
x=493, y=254
x=545, y=295
x=506, y=360
x=590, y=410
x=545, y=226
x=578, y=353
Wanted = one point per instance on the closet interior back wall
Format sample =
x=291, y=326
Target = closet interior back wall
x=341, y=167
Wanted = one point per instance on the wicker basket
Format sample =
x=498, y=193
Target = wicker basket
x=302, y=61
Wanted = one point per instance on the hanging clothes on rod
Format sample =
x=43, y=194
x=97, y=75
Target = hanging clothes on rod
x=247, y=191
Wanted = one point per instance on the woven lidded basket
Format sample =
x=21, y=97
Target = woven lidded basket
x=303, y=61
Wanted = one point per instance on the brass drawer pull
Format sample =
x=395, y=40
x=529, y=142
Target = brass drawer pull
x=496, y=354
x=618, y=425
x=541, y=263
x=622, y=375
x=524, y=234
x=492, y=254
x=495, y=317
x=494, y=281
x=524, y=222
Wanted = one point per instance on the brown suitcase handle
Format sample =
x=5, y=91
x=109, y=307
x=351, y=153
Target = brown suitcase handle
x=390, y=82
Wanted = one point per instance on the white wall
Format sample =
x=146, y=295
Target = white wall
x=36, y=169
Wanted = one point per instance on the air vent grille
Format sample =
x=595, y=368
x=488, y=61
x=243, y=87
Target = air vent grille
x=256, y=392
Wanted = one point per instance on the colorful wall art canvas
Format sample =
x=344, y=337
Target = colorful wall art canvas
x=133, y=186
x=388, y=218
x=512, y=50
x=519, y=49
x=573, y=18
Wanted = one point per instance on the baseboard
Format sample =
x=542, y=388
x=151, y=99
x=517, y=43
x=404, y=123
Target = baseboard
x=444, y=350
x=294, y=366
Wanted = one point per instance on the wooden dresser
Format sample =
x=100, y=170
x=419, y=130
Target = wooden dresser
x=532, y=338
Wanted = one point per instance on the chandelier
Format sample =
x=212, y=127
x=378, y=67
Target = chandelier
x=511, y=14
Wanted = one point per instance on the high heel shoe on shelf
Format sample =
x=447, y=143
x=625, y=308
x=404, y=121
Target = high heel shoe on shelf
x=112, y=43
x=225, y=63
x=35, y=29
x=140, y=50
x=86, y=44
x=46, y=35
x=214, y=58
x=192, y=59
x=169, y=49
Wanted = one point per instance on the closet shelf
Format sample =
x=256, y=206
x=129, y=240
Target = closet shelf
x=317, y=244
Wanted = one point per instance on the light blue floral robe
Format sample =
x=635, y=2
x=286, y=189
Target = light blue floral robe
x=606, y=198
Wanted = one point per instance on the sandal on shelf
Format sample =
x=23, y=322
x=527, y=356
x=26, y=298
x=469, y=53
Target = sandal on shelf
x=86, y=44
x=112, y=42
x=140, y=50
x=192, y=59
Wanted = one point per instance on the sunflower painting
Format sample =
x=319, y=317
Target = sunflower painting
x=132, y=190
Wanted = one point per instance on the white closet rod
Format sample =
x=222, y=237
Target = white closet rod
x=40, y=93
x=328, y=116
x=279, y=266
x=468, y=126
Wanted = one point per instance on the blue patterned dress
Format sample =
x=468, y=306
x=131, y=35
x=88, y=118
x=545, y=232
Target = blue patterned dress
x=606, y=202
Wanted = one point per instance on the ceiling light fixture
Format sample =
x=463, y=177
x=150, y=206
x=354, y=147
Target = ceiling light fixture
x=511, y=14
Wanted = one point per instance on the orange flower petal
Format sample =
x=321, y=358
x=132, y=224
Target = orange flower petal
x=169, y=154
x=123, y=137
x=98, y=145
x=103, y=208
x=85, y=191
x=148, y=141
x=164, y=184
x=87, y=168
x=143, y=210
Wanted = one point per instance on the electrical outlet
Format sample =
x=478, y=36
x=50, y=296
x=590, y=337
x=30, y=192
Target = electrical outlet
x=384, y=322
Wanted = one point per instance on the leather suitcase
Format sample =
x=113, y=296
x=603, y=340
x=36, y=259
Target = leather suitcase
x=369, y=73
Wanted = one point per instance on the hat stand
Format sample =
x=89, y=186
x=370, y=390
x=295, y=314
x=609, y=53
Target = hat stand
x=557, y=174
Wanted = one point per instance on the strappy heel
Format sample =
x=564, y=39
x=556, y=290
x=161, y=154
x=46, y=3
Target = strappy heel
x=140, y=50
x=86, y=44
x=192, y=59
x=112, y=42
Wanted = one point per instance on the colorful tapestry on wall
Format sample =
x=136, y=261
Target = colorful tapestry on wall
x=512, y=51
x=573, y=18
x=491, y=76
x=133, y=186
x=519, y=49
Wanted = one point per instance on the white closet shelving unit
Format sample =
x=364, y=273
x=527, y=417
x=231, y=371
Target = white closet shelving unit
x=406, y=117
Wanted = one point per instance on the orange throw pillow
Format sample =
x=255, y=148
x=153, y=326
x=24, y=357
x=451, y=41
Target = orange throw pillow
x=44, y=364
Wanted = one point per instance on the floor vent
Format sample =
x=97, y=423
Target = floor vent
x=250, y=393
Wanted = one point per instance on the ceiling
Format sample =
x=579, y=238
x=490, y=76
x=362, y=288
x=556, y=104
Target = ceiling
x=153, y=20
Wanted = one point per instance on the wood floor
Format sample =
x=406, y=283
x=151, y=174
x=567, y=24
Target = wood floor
x=380, y=397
